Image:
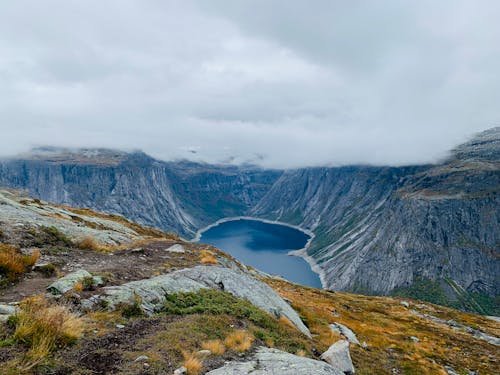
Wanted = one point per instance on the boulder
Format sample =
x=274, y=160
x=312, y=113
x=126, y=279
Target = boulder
x=6, y=311
x=274, y=361
x=151, y=292
x=177, y=248
x=346, y=332
x=339, y=357
x=66, y=283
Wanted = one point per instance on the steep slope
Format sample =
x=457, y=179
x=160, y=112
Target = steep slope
x=430, y=232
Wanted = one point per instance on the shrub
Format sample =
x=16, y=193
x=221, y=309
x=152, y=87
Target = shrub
x=47, y=269
x=192, y=363
x=239, y=340
x=13, y=263
x=129, y=311
x=48, y=236
x=89, y=243
x=215, y=346
x=207, y=257
x=43, y=327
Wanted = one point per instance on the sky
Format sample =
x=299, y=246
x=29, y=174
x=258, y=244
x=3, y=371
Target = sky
x=275, y=82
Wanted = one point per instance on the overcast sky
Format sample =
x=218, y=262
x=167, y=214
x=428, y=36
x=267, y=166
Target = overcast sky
x=282, y=83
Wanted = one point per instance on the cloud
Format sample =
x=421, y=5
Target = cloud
x=280, y=83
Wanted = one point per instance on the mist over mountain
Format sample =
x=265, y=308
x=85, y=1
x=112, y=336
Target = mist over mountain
x=378, y=230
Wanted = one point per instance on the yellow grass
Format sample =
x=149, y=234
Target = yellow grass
x=301, y=353
x=90, y=243
x=239, y=340
x=192, y=363
x=13, y=263
x=215, y=346
x=207, y=257
x=383, y=323
x=78, y=287
x=43, y=328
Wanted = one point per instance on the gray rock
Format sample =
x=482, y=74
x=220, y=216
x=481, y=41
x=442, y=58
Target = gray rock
x=346, y=332
x=66, y=283
x=151, y=292
x=414, y=339
x=204, y=353
x=6, y=311
x=177, y=248
x=450, y=370
x=180, y=371
x=142, y=358
x=451, y=323
x=338, y=356
x=405, y=304
x=120, y=326
x=272, y=361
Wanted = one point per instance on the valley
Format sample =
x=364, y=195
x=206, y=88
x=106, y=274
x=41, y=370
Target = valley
x=377, y=230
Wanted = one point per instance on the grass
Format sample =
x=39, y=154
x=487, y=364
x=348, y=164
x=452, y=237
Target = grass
x=13, y=263
x=49, y=236
x=386, y=326
x=216, y=347
x=263, y=326
x=239, y=340
x=207, y=257
x=42, y=328
x=192, y=363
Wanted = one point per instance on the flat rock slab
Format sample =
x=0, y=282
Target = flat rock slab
x=151, y=292
x=272, y=361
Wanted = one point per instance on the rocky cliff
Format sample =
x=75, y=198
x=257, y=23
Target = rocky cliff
x=430, y=232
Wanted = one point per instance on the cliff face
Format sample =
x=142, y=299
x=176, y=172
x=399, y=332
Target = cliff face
x=179, y=197
x=422, y=231
x=426, y=232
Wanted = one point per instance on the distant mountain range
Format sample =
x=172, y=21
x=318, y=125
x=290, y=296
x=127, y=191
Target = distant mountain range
x=430, y=232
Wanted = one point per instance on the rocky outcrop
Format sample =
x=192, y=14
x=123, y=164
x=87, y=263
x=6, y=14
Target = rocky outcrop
x=346, y=332
x=68, y=282
x=19, y=213
x=150, y=293
x=273, y=361
x=451, y=323
x=338, y=355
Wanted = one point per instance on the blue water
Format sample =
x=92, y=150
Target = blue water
x=265, y=247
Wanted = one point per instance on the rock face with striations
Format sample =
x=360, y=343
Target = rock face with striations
x=273, y=361
x=241, y=285
x=419, y=231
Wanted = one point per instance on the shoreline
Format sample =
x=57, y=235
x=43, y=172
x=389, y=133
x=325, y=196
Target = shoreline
x=302, y=253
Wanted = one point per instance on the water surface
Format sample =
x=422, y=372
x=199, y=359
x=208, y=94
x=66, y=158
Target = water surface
x=265, y=247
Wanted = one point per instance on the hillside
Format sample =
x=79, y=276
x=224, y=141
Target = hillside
x=428, y=232
x=95, y=293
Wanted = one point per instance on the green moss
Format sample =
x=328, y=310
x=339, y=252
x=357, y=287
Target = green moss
x=217, y=303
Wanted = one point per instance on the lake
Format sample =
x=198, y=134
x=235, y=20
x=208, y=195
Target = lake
x=264, y=246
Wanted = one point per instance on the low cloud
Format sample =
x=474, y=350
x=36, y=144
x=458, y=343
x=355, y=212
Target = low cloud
x=279, y=83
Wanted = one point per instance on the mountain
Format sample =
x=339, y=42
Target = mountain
x=83, y=292
x=429, y=232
